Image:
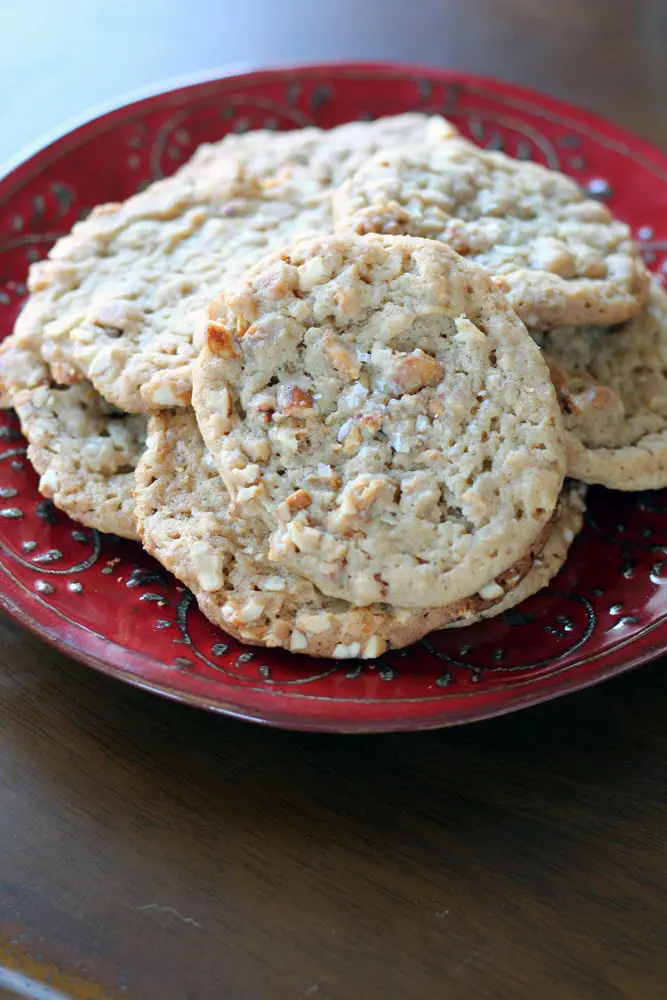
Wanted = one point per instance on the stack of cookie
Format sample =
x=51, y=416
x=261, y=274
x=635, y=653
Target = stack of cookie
x=336, y=387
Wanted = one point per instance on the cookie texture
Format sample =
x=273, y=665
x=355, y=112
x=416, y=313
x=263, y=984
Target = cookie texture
x=325, y=157
x=559, y=257
x=378, y=404
x=117, y=300
x=567, y=524
x=85, y=453
x=186, y=520
x=21, y=364
x=612, y=387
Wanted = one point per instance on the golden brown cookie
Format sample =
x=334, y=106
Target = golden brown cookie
x=376, y=401
x=560, y=258
x=611, y=383
x=567, y=524
x=187, y=521
x=85, y=452
x=117, y=300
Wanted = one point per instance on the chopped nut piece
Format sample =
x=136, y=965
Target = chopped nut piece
x=342, y=359
x=353, y=441
x=298, y=500
x=252, y=609
x=163, y=394
x=248, y=494
x=220, y=341
x=278, y=636
x=315, y=624
x=294, y=401
x=353, y=399
x=306, y=539
x=411, y=372
x=360, y=494
x=208, y=566
x=298, y=642
x=325, y=476
x=371, y=422
x=247, y=476
x=342, y=652
x=576, y=391
x=491, y=592
x=259, y=451
x=285, y=437
x=48, y=483
x=374, y=647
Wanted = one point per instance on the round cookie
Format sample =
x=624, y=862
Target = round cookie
x=85, y=452
x=611, y=384
x=376, y=401
x=117, y=299
x=559, y=257
x=186, y=520
x=566, y=526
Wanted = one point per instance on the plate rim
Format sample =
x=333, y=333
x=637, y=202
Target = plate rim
x=234, y=71
x=111, y=666
x=114, y=660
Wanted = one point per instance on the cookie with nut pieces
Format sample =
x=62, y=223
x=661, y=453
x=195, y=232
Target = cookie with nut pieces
x=85, y=452
x=377, y=404
x=186, y=520
x=116, y=300
x=567, y=524
x=612, y=387
x=561, y=258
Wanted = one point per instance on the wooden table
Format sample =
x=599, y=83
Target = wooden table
x=152, y=852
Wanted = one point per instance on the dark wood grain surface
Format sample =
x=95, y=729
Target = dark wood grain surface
x=151, y=852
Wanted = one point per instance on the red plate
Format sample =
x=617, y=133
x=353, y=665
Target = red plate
x=106, y=603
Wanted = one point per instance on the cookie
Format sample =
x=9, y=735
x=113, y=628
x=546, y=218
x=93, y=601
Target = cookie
x=187, y=522
x=327, y=157
x=21, y=364
x=85, y=453
x=376, y=401
x=117, y=299
x=566, y=526
x=83, y=449
x=611, y=383
x=559, y=257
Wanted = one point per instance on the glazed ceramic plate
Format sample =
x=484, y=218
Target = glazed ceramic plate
x=109, y=605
